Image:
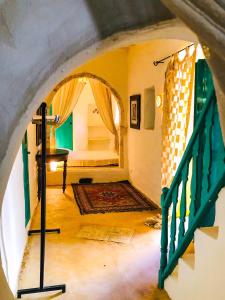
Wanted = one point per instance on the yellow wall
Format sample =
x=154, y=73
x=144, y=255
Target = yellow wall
x=112, y=67
x=31, y=135
x=144, y=146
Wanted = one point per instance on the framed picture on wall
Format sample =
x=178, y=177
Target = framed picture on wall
x=135, y=111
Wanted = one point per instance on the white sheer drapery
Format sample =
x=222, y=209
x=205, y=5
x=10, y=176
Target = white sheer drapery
x=103, y=100
x=64, y=101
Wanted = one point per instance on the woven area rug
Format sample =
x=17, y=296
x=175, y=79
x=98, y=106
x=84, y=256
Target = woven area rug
x=106, y=233
x=110, y=197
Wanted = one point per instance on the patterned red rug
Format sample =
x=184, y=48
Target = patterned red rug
x=110, y=197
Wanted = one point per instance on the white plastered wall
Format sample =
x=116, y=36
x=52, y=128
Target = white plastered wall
x=81, y=119
x=13, y=233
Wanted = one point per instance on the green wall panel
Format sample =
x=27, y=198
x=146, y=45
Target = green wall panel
x=64, y=134
x=26, y=178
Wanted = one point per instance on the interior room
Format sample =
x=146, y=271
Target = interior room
x=112, y=129
x=112, y=150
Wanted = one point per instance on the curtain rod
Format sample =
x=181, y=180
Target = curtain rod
x=161, y=61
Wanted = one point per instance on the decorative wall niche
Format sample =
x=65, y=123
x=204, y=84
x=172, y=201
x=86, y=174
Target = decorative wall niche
x=149, y=108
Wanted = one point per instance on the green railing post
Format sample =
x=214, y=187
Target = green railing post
x=173, y=226
x=205, y=154
x=196, y=157
x=183, y=202
x=164, y=238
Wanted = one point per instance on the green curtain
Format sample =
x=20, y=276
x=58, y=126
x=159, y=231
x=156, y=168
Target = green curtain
x=64, y=134
x=26, y=178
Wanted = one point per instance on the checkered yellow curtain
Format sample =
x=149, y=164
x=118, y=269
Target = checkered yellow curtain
x=179, y=79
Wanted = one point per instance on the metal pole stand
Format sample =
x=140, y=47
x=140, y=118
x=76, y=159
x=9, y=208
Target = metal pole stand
x=35, y=231
x=51, y=288
x=43, y=230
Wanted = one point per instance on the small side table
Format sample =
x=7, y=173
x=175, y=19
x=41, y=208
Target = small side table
x=55, y=155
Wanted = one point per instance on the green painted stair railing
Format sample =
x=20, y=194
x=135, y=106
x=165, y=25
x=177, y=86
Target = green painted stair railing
x=202, y=171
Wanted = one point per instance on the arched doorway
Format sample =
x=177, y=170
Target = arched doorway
x=31, y=96
x=117, y=109
x=145, y=80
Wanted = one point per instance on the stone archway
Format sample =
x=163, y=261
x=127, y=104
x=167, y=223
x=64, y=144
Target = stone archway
x=38, y=87
x=26, y=79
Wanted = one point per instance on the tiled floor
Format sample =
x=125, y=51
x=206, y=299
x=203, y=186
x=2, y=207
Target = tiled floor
x=93, y=270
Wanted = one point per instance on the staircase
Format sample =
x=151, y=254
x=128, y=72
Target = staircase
x=201, y=274
x=192, y=264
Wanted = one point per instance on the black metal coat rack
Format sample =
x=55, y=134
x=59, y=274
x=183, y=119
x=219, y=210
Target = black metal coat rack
x=43, y=230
